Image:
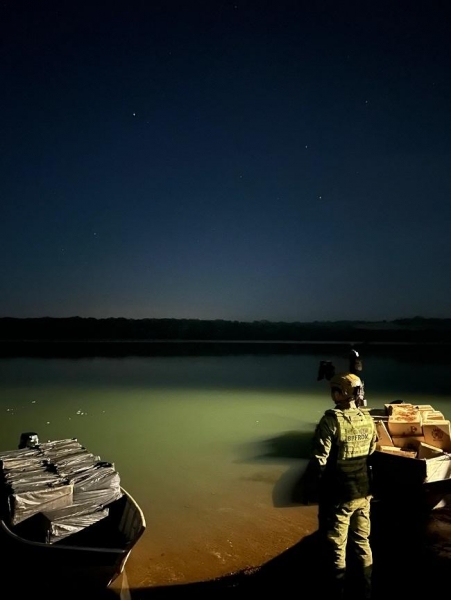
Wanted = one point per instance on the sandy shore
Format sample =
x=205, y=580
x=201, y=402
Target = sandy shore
x=412, y=554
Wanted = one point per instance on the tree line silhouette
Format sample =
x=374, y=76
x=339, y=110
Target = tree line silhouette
x=410, y=330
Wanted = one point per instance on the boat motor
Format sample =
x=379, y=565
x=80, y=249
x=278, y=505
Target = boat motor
x=28, y=439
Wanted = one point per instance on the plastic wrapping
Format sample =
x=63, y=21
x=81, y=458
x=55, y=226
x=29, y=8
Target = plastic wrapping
x=23, y=453
x=84, y=503
x=57, y=445
x=32, y=479
x=62, y=528
x=27, y=472
x=69, y=455
x=97, y=478
x=86, y=509
x=27, y=462
x=66, y=462
x=72, y=469
x=43, y=481
x=24, y=505
x=61, y=482
x=56, y=455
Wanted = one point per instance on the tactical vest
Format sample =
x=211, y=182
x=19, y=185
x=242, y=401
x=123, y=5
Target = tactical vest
x=348, y=471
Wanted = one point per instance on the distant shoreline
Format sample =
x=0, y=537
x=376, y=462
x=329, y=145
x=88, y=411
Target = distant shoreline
x=77, y=337
x=79, y=330
x=122, y=348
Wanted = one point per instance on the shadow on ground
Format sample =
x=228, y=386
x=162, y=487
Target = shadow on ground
x=408, y=558
x=411, y=550
x=291, y=447
x=412, y=554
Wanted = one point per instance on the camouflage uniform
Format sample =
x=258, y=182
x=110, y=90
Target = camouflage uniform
x=343, y=440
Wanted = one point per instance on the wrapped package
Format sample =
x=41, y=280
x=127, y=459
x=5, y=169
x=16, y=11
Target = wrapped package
x=96, y=478
x=17, y=480
x=86, y=509
x=58, y=445
x=24, y=504
x=74, y=459
x=63, y=453
x=84, y=503
x=41, y=481
x=22, y=453
x=28, y=472
x=23, y=462
x=57, y=488
x=71, y=469
x=60, y=529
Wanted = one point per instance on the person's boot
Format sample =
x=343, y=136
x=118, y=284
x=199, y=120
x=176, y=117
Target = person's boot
x=362, y=587
x=367, y=591
x=338, y=584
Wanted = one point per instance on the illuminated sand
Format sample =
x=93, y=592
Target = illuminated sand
x=204, y=541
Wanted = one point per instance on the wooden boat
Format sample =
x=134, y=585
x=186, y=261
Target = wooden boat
x=87, y=560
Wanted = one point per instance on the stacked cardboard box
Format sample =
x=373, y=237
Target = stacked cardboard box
x=417, y=435
x=407, y=425
x=404, y=420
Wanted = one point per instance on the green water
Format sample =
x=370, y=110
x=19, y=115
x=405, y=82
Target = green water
x=184, y=432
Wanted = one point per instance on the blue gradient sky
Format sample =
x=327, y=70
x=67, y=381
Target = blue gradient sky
x=238, y=160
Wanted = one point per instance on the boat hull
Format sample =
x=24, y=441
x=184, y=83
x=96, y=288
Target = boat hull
x=92, y=566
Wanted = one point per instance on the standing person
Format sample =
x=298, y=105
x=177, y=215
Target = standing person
x=343, y=440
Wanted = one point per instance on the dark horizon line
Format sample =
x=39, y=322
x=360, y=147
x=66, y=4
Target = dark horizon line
x=416, y=318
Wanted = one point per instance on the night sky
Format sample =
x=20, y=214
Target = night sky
x=239, y=160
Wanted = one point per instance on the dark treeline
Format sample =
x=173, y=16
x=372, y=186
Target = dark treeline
x=414, y=330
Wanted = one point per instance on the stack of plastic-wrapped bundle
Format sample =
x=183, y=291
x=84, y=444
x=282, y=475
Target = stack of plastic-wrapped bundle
x=67, y=486
x=31, y=485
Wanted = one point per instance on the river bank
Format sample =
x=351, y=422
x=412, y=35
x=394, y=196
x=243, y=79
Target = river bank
x=411, y=553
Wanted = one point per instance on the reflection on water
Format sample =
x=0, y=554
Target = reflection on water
x=210, y=446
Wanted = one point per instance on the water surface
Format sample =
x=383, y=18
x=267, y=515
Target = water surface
x=211, y=447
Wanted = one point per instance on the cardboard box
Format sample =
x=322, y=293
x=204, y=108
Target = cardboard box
x=427, y=451
x=438, y=434
x=433, y=415
x=408, y=442
x=389, y=408
x=406, y=420
x=383, y=437
x=398, y=451
x=404, y=412
x=405, y=428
